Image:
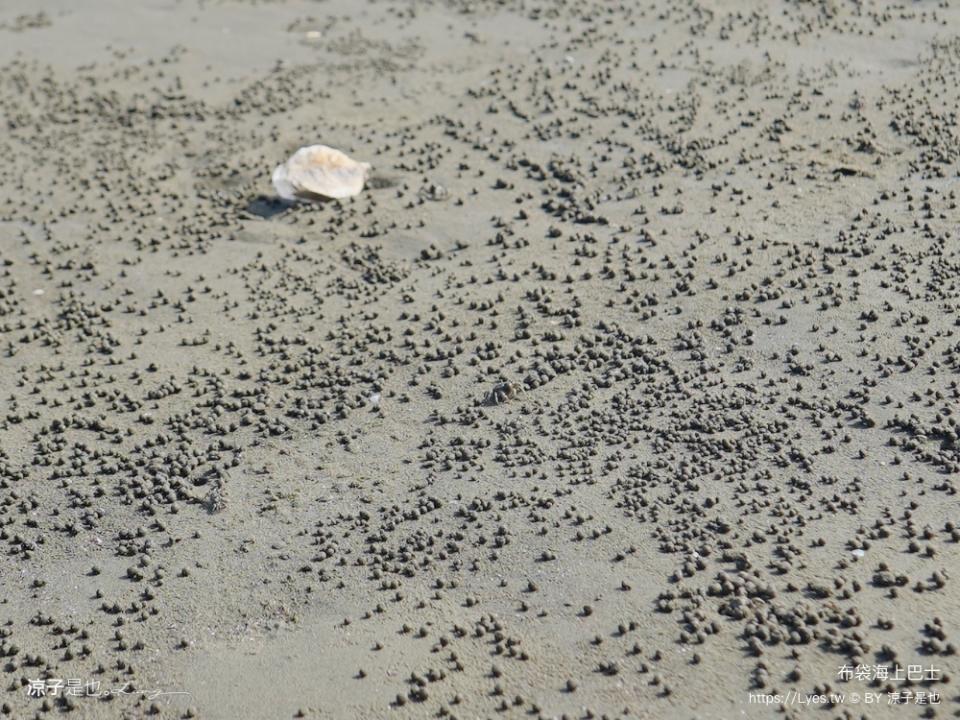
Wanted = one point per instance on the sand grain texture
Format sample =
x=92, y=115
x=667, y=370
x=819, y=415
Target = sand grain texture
x=628, y=387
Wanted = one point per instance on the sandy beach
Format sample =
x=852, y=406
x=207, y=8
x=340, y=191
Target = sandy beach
x=626, y=388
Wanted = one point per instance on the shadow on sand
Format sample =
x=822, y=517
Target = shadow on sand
x=266, y=207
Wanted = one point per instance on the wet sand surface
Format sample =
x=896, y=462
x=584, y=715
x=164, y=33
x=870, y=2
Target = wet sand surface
x=627, y=388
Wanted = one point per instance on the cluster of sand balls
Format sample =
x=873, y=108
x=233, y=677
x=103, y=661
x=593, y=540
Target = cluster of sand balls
x=627, y=387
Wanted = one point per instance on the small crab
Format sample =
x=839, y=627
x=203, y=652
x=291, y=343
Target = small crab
x=216, y=499
x=433, y=192
x=501, y=393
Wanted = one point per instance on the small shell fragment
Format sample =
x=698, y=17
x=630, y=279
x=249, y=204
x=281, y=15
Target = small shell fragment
x=318, y=170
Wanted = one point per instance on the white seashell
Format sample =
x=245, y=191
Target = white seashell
x=319, y=170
